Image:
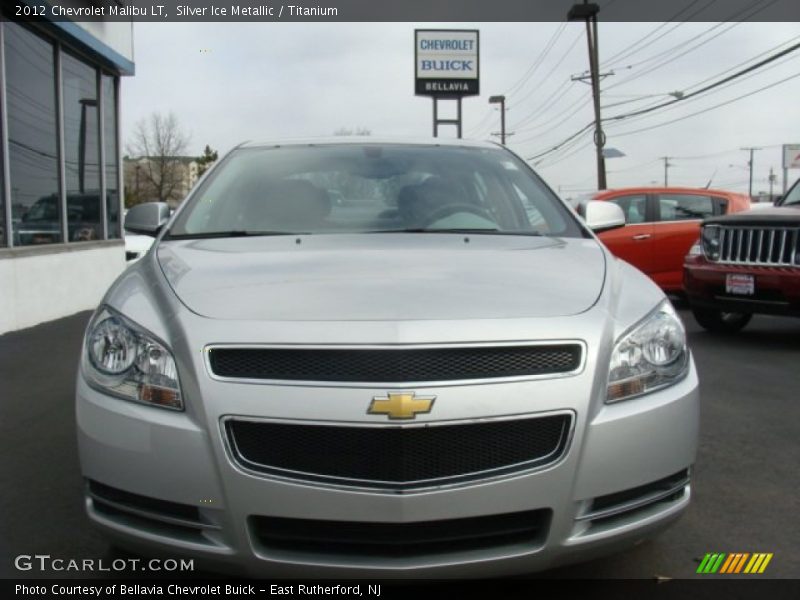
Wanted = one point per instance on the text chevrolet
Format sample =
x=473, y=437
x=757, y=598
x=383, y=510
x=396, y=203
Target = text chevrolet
x=367, y=358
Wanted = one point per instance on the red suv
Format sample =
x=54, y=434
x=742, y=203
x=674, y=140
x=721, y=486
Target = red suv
x=662, y=223
x=746, y=263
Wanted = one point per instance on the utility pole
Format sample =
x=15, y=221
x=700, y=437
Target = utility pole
x=772, y=179
x=667, y=165
x=501, y=100
x=588, y=12
x=750, y=164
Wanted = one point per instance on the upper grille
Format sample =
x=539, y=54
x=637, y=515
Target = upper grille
x=398, y=456
x=769, y=246
x=393, y=365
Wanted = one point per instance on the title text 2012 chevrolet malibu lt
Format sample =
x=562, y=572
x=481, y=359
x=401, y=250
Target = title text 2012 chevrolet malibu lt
x=378, y=359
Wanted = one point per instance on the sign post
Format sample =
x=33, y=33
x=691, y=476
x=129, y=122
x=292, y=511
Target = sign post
x=446, y=66
x=791, y=160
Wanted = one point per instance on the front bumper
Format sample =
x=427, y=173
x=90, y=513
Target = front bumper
x=175, y=491
x=777, y=289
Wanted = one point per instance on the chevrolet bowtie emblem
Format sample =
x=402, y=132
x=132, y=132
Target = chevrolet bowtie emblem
x=400, y=405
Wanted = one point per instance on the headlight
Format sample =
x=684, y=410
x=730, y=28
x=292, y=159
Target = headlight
x=125, y=360
x=710, y=238
x=652, y=355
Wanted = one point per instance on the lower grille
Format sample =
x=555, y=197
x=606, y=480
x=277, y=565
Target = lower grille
x=161, y=517
x=388, y=540
x=399, y=457
x=628, y=501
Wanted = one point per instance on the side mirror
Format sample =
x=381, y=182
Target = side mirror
x=602, y=216
x=147, y=218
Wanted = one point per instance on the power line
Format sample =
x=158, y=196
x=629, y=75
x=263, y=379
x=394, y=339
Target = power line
x=485, y=121
x=673, y=56
x=648, y=37
x=558, y=64
x=577, y=105
x=700, y=112
x=752, y=58
x=715, y=91
x=537, y=61
x=671, y=50
x=561, y=144
x=615, y=85
x=707, y=88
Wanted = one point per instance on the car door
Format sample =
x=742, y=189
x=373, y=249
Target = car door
x=633, y=243
x=677, y=227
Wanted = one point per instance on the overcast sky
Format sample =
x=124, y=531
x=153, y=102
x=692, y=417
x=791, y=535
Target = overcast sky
x=238, y=81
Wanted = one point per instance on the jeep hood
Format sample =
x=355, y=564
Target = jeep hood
x=770, y=215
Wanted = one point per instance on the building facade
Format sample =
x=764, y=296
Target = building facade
x=61, y=178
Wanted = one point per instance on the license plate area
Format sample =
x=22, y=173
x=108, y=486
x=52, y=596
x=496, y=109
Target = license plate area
x=740, y=285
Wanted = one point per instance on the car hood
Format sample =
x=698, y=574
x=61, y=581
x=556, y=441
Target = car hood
x=384, y=276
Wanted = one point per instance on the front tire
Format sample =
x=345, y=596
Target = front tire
x=718, y=321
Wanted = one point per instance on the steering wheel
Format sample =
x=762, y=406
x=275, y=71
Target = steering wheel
x=455, y=208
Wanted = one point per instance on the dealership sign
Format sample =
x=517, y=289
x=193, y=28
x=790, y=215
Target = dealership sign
x=791, y=156
x=446, y=62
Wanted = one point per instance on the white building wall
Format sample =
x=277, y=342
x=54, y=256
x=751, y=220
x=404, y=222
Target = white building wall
x=35, y=288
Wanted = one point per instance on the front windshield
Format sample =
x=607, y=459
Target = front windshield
x=373, y=188
x=793, y=196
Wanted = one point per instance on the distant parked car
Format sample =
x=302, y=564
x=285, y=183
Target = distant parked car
x=41, y=223
x=662, y=223
x=746, y=263
x=136, y=243
x=136, y=246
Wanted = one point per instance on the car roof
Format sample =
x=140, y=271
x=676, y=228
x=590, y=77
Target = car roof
x=368, y=139
x=664, y=190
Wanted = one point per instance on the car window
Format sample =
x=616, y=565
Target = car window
x=350, y=188
x=684, y=207
x=633, y=207
x=793, y=196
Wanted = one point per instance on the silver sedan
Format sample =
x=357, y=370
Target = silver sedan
x=365, y=358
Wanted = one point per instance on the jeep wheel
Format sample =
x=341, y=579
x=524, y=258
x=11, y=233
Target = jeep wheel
x=720, y=321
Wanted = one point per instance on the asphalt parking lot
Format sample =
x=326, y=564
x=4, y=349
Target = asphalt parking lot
x=745, y=478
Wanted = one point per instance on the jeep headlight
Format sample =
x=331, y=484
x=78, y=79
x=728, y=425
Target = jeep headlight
x=710, y=239
x=124, y=360
x=650, y=356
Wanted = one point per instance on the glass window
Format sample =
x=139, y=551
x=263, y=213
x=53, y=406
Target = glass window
x=793, y=195
x=352, y=188
x=110, y=142
x=684, y=207
x=32, y=148
x=3, y=241
x=81, y=150
x=633, y=207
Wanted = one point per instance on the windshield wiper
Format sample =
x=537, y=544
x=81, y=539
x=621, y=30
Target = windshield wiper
x=472, y=230
x=226, y=234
